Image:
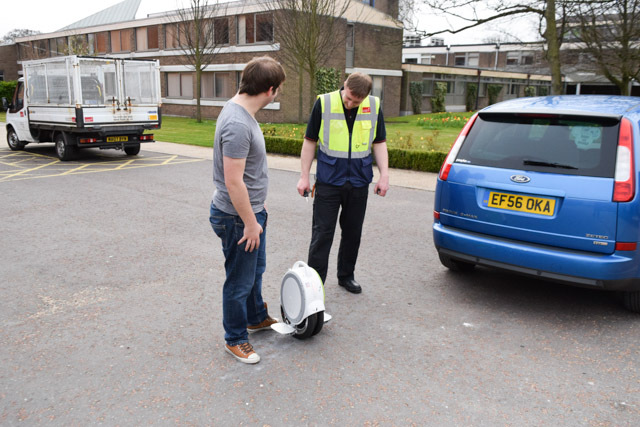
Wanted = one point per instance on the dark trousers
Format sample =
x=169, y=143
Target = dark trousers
x=327, y=203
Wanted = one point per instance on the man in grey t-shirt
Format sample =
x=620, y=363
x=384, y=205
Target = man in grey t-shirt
x=238, y=215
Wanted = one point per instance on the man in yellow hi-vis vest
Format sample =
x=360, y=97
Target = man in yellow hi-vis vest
x=348, y=126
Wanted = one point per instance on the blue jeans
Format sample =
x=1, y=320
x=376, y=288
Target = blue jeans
x=242, y=303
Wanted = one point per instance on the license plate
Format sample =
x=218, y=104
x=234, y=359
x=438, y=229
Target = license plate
x=117, y=138
x=515, y=202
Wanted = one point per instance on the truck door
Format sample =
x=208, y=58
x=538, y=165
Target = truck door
x=17, y=115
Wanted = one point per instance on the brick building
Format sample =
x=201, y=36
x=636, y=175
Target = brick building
x=9, y=67
x=369, y=33
x=514, y=66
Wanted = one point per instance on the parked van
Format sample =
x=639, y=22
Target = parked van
x=79, y=102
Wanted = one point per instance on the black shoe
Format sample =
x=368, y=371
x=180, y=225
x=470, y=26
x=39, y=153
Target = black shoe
x=351, y=285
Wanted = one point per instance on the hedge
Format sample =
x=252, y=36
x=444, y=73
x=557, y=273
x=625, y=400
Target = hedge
x=423, y=161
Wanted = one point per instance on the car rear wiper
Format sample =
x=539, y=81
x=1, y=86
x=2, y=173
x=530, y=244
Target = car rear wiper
x=548, y=164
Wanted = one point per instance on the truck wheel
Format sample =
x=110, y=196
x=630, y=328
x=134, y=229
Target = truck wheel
x=65, y=151
x=12, y=140
x=132, y=150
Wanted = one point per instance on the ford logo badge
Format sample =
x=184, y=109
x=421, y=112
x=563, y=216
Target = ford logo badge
x=520, y=179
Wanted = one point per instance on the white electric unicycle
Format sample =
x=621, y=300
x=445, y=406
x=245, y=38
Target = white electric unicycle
x=301, y=302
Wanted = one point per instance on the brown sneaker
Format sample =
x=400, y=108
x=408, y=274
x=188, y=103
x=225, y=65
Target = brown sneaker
x=265, y=324
x=243, y=352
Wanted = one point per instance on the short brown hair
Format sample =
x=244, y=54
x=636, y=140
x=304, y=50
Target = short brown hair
x=261, y=74
x=359, y=84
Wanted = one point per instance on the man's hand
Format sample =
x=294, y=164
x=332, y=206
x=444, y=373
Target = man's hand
x=303, y=186
x=251, y=236
x=382, y=186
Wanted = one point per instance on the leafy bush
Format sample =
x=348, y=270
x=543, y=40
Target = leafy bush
x=327, y=80
x=415, y=91
x=543, y=91
x=529, y=91
x=472, y=92
x=438, y=101
x=424, y=161
x=280, y=145
x=7, y=89
x=494, y=91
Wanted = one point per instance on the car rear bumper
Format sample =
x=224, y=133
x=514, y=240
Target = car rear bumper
x=617, y=271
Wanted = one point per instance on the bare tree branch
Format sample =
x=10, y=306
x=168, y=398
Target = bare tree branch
x=199, y=39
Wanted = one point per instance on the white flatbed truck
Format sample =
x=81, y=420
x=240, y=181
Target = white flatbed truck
x=77, y=102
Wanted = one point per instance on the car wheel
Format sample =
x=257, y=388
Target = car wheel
x=12, y=140
x=631, y=301
x=63, y=150
x=455, y=265
x=132, y=150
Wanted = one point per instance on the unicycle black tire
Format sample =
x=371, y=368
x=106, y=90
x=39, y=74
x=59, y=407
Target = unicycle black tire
x=306, y=329
x=319, y=323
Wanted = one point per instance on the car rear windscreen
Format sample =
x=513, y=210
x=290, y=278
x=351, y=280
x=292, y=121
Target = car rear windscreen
x=571, y=145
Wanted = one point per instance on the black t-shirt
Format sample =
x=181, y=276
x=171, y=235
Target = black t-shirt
x=313, y=126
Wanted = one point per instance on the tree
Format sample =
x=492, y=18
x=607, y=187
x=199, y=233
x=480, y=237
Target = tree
x=473, y=13
x=10, y=37
x=308, y=32
x=199, y=31
x=610, y=31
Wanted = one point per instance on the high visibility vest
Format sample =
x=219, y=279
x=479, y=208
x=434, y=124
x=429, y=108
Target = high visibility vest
x=334, y=133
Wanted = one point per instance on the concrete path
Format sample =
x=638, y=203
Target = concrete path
x=398, y=177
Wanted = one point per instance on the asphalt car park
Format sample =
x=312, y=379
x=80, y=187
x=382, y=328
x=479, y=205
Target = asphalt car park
x=111, y=314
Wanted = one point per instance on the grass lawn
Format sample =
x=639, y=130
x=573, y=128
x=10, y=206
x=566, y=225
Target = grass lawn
x=423, y=132
x=3, y=116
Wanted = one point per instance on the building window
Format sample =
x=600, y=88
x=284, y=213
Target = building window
x=174, y=36
x=473, y=59
x=377, y=89
x=460, y=60
x=526, y=59
x=59, y=46
x=221, y=31
x=180, y=85
x=427, y=87
x=102, y=42
x=513, y=58
x=351, y=41
x=255, y=28
x=146, y=38
x=121, y=40
x=219, y=85
x=426, y=58
x=91, y=43
x=411, y=60
x=1, y=75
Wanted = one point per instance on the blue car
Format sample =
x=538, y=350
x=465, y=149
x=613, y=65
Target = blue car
x=546, y=187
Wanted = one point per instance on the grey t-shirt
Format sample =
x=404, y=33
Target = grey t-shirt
x=239, y=136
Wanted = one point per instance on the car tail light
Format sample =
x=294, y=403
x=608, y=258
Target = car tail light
x=453, y=153
x=87, y=140
x=624, y=187
x=148, y=137
x=626, y=246
x=436, y=215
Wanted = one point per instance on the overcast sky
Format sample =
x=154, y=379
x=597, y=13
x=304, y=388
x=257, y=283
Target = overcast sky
x=50, y=15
